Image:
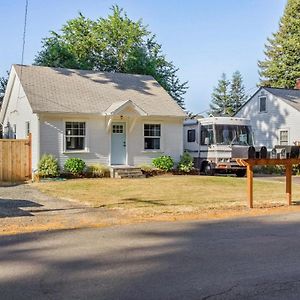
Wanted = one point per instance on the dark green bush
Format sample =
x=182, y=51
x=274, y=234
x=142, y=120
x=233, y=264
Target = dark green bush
x=75, y=166
x=48, y=166
x=186, y=163
x=164, y=163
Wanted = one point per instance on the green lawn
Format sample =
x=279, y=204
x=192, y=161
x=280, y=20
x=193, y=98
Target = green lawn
x=170, y=194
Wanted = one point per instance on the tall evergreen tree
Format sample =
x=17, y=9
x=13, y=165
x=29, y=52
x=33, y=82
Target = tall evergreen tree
x=281, y=67
x=112, y=44
x=3, y=84
x=237, y=92
x=220, y=98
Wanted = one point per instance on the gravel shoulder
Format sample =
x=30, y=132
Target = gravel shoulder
x=25, y=209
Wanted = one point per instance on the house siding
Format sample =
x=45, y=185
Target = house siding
x=19, y=112
x=266, y=125
x=99, y=139
x=52, y=139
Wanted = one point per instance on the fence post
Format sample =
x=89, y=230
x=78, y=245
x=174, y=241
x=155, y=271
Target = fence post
x=30, y=155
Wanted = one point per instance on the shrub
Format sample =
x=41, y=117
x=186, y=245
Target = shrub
x=163, y=162
x=48, y=166
x=75, y=166
x=98, y=171
x=148, y=170
x=186, y=163
x=275, y=170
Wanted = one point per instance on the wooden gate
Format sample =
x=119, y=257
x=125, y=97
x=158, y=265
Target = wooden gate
x=15, y=159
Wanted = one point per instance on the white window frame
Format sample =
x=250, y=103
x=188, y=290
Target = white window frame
x=14, y=131
x=288, y=136
x=86, y=149
x=259, y=99
x=27, y=128
x=161, y=136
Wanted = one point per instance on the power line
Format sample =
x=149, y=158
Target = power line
x=23, y=48
x=24, y=32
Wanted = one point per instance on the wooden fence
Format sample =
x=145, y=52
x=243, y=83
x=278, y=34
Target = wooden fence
x=15, y=159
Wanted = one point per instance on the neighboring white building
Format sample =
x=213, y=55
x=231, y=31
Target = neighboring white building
x=274, y=115
x=106, y=118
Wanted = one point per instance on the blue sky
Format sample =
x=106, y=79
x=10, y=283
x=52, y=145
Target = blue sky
x=203, y=38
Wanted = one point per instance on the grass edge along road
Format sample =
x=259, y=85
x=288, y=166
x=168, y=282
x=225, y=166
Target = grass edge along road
x=170, y=195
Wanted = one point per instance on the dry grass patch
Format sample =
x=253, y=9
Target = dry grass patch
x=169, y=194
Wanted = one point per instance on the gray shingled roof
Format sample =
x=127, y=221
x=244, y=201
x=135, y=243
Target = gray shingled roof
x=57, y=90
x=290, y=96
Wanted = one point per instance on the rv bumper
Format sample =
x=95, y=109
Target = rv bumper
x=233, y=166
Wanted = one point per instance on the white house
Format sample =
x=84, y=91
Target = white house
x=274, y=115
x=106, y=118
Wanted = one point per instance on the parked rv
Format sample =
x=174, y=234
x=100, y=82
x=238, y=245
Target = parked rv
x=211, y=140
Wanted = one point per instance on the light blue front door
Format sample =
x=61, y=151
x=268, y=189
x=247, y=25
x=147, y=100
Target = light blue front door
x=118, y=144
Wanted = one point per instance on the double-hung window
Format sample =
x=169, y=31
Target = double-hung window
x=75, y=136
x=283, y=137
x=152, y=136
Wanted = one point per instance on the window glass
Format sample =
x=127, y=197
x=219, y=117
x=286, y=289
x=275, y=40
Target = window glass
x=75, y=135
x=207, y=133
x=233, y=135
x=118, y=128
x=191, y=136
x=152, y=133
x=283, y=137
x=27, y=128
x=263, y=104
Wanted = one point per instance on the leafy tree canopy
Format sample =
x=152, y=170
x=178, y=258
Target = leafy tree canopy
x=281, y=67
x=112, y=44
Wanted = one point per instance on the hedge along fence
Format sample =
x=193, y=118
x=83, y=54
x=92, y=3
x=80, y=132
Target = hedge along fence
x=15, y=159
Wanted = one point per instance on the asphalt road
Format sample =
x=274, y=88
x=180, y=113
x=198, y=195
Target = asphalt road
x=256, y=258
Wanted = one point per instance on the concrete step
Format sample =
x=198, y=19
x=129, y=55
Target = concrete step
x=127, y=172
x=130, y=176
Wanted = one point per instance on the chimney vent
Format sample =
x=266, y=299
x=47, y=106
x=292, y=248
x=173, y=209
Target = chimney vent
x=297, y=86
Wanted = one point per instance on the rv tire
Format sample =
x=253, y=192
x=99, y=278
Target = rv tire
x=208, y=169
x=240, y=173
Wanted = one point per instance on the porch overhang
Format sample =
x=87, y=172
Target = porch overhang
x=118, y=108
x=124, y=108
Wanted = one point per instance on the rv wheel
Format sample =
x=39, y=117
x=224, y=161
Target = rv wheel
x=240, y=173
x=208, y=169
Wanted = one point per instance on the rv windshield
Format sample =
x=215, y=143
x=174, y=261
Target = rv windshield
x=233, y=135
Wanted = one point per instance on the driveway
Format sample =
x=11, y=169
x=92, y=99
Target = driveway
x=25, y=209
x=255, y=258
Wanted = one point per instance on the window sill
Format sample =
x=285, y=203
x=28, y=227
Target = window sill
x=75, y=151
x=152, y=151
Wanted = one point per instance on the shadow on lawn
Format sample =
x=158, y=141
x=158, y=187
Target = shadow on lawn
x=148, y=202
x=238, y=259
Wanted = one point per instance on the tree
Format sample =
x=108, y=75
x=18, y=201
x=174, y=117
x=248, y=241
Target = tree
x=237, y=92
x=3, y=84
x=112, y=44
x=281, y=67
x=220, y=101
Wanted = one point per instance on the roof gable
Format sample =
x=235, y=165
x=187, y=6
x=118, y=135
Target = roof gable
x=289, y=96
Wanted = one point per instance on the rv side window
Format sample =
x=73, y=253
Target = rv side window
x=191, y=136
x=207, y=133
